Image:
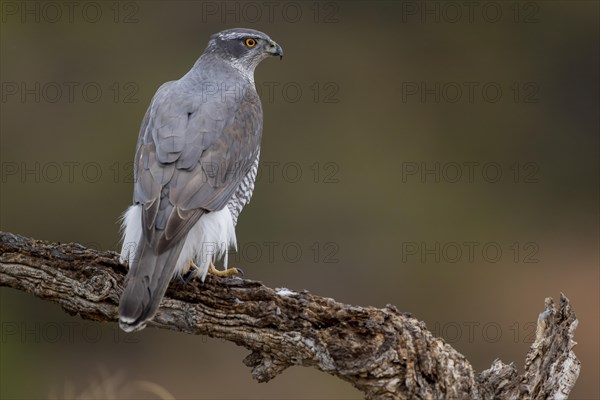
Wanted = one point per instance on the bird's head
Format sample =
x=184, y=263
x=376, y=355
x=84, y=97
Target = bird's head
x=244, y=47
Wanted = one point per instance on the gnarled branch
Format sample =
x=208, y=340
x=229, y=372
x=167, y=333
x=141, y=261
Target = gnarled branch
x=384, y=353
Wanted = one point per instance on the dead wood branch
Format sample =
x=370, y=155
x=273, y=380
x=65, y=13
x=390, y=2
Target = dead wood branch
x=384, y=353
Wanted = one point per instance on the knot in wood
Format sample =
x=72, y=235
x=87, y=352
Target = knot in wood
x=99, y=286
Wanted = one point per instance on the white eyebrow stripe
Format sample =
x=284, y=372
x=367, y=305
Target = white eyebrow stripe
x=234, y=35
x=238, y=35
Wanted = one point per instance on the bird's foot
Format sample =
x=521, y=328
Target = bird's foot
x=191, y=272
x=224, y=273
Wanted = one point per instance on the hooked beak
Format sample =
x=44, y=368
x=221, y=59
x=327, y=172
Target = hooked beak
x=274, y=49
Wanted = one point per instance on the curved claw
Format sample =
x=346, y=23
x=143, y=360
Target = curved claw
x=191, y=273
x=188, y=276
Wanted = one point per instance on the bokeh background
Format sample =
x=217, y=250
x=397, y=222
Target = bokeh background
x=386, y=126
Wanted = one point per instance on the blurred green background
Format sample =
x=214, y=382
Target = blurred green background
x=369, y=97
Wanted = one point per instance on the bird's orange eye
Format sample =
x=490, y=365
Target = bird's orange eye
x=250, y=42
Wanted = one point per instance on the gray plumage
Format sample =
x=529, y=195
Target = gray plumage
x=197, y=154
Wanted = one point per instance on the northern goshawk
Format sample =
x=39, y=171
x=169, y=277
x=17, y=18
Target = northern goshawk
x=195, y=166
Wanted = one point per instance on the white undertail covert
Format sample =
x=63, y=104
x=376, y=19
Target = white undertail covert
x=208, y=241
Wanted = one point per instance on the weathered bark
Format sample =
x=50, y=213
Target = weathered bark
x=384, y=353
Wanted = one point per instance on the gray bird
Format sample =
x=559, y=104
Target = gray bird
x=195, y=166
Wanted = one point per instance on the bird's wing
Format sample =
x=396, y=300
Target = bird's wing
x=192, y=153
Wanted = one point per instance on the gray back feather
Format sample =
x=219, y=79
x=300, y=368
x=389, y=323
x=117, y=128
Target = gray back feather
x=198, y=140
